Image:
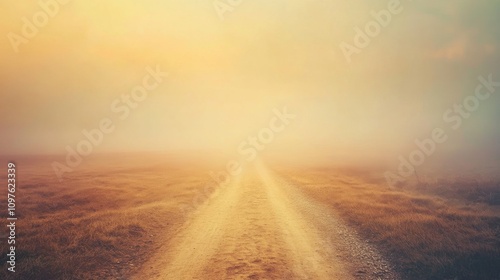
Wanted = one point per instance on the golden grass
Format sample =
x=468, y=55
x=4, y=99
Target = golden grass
x=101, y=222
x=106, y=220
x=426, y=236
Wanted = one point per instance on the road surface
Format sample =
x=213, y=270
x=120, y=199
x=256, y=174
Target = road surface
x=261, y=227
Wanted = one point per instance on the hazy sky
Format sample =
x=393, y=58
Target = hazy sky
x=227, y=75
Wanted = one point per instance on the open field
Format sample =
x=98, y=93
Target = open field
x=433, y=232
x=147, y=217
x=226, y=139
x=99, y=223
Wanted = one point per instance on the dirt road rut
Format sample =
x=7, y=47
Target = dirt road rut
x=261, y=227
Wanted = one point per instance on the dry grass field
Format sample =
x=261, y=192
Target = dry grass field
x=111, y=219
x=247, y=140
x=101, y=222
x=449, y=230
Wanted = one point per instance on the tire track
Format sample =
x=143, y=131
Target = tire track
x=258, y=227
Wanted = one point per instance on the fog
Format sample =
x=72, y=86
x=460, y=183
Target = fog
x=231, y=70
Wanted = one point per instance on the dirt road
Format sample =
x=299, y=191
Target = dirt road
x=261, y=227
